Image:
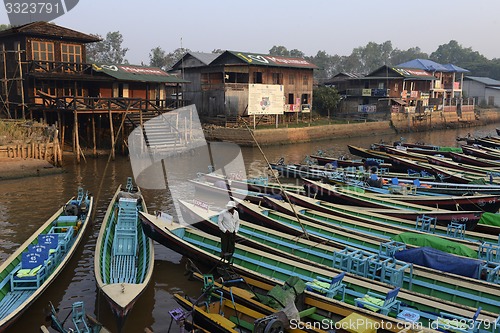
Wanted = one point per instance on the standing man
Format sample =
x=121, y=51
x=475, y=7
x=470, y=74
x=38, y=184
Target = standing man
x=229, y=224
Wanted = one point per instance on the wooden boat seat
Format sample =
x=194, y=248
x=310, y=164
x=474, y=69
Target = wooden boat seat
x=64, y=236
x=78, y=317
x=30, y=274
x=125, y=242
x=123, y=269
x=330, y=288
x=376, y=302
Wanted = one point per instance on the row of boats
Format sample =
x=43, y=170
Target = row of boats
x=335, y=255
x=429, y=261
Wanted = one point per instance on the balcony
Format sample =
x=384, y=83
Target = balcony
x=369, y=92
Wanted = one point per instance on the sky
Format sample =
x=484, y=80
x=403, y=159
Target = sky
x=336, y=27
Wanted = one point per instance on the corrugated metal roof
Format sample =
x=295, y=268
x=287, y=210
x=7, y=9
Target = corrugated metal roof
x=485, y=80
x=456, y=69
x=424, y=64
x=205, y=58
x=137, y=73
x=269, y=60
x=409, y=73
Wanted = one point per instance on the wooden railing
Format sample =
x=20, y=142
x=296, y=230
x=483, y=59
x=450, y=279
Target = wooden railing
x=59, y=67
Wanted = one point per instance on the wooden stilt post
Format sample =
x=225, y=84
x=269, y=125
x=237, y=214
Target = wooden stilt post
x=112, y=135
x=63, y=130
x=77, y=139
x=94, y=150
x=123, y=134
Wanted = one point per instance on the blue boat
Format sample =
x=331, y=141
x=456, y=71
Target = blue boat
x=29, y=271
x=124, y=256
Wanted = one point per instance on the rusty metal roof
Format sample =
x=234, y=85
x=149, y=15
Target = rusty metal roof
x=49, y=30
x=256, y=59
x=137, y=73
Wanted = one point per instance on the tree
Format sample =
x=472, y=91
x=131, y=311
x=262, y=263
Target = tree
x=218, y=51
x=297, y=53
x=175, y=56
x=279, y=51
x=158, y=58
x=401, y=56
x=325, y=100
x=5, y=27
x=108, y=50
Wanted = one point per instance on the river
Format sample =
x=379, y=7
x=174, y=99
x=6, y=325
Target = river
x=26, y=203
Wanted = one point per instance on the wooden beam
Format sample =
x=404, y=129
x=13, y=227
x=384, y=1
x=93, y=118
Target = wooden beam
x=94, y=150
x=112, y=135
x=76, y=137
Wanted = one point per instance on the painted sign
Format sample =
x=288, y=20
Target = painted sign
x=265, y=99
x=366, y=92
x=261, y=59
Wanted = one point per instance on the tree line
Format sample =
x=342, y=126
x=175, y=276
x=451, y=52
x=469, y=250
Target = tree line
x=362, y=60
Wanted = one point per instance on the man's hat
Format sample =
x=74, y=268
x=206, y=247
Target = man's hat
x=231, y=204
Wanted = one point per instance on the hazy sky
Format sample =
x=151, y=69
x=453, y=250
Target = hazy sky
x=255, y=26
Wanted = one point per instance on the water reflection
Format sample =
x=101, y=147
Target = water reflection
x=26, y=203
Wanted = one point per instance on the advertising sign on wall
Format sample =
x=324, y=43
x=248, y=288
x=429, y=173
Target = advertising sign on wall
x=265, y=99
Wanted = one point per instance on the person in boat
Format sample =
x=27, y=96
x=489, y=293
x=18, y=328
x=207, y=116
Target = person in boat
x=374, y=180
x=371, y=165
x=229, y=224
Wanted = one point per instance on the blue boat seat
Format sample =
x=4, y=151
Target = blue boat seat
x=67, y=219
x=49, y=240
x=124, y=243
x=376, y=302
x=78, y=318
x=453, y=323
x=31, y=273
x=328, y=287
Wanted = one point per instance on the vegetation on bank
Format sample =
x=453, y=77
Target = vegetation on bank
x=23, y=132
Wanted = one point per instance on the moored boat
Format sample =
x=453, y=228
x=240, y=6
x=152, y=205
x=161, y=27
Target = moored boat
x=124, y=256
x=81, y=322
x=29, y=271
x=265, y=266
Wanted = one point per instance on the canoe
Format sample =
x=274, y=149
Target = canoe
x=473, y=160
x=124, y=256
x=320, y=252
x=482, y=152
x=258, y=184
x=370, y=217
x=389, y=206
x=29, y=271
x=465, y=177
x=80, y=321
x=265, y=266
x=215, y=312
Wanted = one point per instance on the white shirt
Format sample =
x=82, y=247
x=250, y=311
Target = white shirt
x=229, y=222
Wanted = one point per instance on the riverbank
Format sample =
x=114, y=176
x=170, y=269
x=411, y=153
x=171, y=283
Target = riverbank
x=399, y=123
x=12, y=168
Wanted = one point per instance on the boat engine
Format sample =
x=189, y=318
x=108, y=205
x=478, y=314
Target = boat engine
x=271, y=324
x=72, y=208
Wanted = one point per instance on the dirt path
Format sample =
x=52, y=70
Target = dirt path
x=11, y=168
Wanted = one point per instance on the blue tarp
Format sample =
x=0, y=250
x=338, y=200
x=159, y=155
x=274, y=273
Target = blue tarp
x=432, y=258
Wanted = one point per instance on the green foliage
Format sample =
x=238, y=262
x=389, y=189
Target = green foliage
x=325, y=100
x=108, y=50
x=4, y=27
x=158, y=58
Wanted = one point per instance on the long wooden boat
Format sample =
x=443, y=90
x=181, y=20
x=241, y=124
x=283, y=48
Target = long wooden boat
x=302, y=171
x=226, y=314
x=124, y=256
x=29, y=271
x=259, y=185
x=424, y=280
x=80, y=320
x=224, y=190
x=265, y=266
x=343, y=163
x=482, y=152
x=473, y=160
x=390, y=207
x=449, y=163
x=464, y=177
x=370, y=217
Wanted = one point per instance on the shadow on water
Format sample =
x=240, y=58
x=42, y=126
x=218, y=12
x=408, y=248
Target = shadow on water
x=26, y=203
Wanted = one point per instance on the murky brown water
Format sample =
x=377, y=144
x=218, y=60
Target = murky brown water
x=26, y=203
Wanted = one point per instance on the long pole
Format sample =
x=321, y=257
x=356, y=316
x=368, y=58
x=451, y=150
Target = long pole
x=279, y=183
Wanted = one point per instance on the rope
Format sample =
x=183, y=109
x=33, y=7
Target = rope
x=277, y=180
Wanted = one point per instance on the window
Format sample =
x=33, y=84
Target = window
x=291, y=80
x=69, y=89
x=277, y=78
x=257, y=77
x=71, y=53
x=231, y=77
x=305, y=80
x=291, y=100
x=43, y=51
x=305, y=98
